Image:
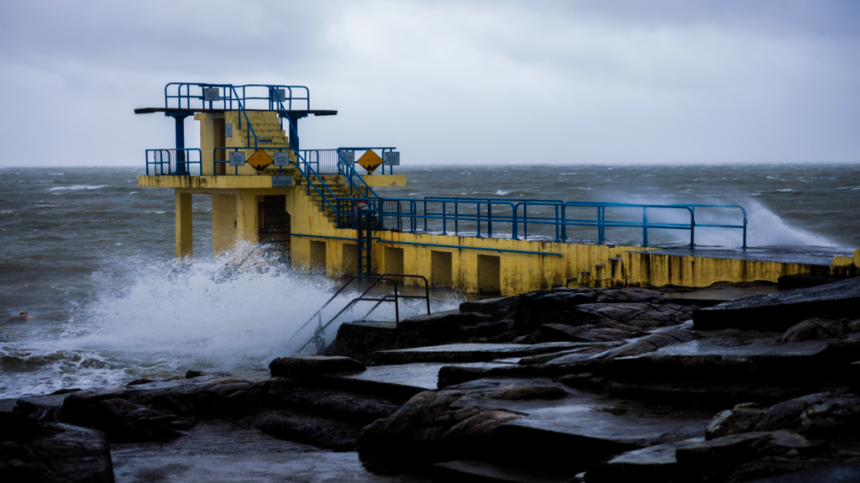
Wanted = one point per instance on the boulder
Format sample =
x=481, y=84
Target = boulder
x=815, y=328
x=529, y=391
x=33, y=451
x=310, y=366
x=427, y=428
x=340, y=405
x=781, y=310
x=741, y=419
x=78, y=406
x=495, y=307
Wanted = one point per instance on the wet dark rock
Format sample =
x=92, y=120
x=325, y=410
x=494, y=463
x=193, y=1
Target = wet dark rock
x=67, y=390
x=473, y=470
x=786, y=414
x=43, y=408
x=640, y=315
x=825, y=327
x=532, y=391
x=78, y=407
x=590, y=333
x=790, y=470
x=733, y=421
x=33, y=451
x=781, y=310
x=834, y=417
x=331, y=403
x=310, y=366
x=315, y=430
x=721, y=455
x=441, y=325
x=428, y=428
x=654, y=463
x=494, y=307
x=138, y=382
x=469, y=352
x=357, y=341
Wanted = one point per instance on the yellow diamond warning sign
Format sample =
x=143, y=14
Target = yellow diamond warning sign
x=370, y=161
x=260, y=160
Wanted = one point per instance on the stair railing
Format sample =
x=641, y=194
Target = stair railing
x=319, y=331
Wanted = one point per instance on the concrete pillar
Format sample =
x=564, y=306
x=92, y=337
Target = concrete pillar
x=246, y=218
x=223, y=223
x=184, y=226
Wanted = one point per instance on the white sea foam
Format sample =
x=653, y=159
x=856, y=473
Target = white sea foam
x=502, y=193
x=77, y=187
x=786, y=190
x=164, y=317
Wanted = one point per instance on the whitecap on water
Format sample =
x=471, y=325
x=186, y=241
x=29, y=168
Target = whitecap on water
x=77, y=187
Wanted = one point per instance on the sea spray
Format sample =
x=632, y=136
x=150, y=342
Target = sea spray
x=160, y=318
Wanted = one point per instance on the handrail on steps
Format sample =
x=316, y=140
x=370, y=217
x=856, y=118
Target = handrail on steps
x=319, y=332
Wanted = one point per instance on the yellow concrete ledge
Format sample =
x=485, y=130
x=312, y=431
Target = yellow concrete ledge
x=843, y=261
x=210, y=182
x=386, y=180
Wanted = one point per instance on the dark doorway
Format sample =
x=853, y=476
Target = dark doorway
x=275, y=227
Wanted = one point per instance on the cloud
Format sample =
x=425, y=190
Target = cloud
x=480, y=81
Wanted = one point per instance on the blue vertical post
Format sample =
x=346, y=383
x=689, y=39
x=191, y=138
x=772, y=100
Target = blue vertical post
x=179, y=118
x=293, y=132
x=644, y=226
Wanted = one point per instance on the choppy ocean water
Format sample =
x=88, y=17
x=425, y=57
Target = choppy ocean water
x=89, y=254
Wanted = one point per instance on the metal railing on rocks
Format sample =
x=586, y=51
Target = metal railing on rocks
x=319, y=331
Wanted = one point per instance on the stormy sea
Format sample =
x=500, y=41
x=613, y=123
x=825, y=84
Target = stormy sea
x=90, y=256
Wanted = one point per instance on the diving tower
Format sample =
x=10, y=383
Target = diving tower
x=319, y=209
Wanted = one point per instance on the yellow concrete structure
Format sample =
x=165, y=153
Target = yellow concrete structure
x=474, y=265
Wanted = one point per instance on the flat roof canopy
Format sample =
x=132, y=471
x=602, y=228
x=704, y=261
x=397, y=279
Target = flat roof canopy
x=151, y=110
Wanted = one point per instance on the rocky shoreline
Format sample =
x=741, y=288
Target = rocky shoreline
x=569, y=384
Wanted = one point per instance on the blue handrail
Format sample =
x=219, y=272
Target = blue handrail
x=162, y=161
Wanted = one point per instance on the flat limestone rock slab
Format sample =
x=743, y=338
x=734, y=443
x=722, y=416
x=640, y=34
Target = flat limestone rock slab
x=781, y=310
x=591, y=416
x=222, y=451
x=583, y=427
x=469, y=352
x=423, y=376
x=717, y=347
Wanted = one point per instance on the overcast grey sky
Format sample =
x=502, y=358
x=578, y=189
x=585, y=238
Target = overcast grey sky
x=601, y=81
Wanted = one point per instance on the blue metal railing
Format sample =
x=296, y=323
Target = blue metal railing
x=183, y=97
x=237, y=98
x=164, y=161
x=487, y=215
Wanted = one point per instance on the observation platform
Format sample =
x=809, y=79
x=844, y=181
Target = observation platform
x=318, y=209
